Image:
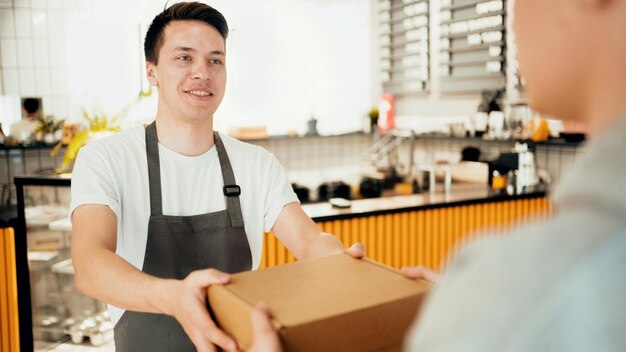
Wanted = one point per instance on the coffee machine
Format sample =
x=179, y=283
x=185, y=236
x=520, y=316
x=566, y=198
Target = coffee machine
x=518, y=165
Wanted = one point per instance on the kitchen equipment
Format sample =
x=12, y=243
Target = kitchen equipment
x=519, y=165
x=470, y=154
x=301, y=192
x=337, y=189
x=518, y=121
x=370, y=187
x=527, y=176
x=426, y=175
x=572, y=137
x=97, y=328
x=491, y=109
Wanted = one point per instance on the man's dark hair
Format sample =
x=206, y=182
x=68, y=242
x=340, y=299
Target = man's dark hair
x=182, y=11
x=31, y=105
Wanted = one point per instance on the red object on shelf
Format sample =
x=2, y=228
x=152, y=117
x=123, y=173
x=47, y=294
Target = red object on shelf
x=386, y=114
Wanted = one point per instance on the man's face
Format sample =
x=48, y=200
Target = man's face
x=553, y=54
x=191, y=71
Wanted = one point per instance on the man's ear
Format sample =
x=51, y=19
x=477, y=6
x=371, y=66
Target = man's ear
x=151, y=74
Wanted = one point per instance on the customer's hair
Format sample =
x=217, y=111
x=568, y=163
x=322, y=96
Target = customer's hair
x=31, y=105
x=194, y=11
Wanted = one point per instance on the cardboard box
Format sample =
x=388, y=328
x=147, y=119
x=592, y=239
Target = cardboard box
x=334, y=303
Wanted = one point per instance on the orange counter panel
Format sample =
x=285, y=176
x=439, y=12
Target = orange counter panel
x=9, y=328
x=422, y=237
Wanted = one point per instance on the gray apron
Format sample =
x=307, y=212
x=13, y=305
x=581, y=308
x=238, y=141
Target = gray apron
x=178, y=245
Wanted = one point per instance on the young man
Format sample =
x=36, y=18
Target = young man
x=161, y=212
x=558, y=285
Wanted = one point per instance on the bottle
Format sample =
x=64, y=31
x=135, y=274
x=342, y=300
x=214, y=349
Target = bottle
x=527, y=175
x=312, y=127
x=498, y=181
x=386, y=114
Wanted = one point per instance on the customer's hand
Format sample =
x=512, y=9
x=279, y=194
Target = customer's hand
x=421, y=272
x=357, y=250
x=187, y=303
x=265, y=338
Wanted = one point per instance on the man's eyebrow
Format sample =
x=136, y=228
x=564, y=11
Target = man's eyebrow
x=188, y=49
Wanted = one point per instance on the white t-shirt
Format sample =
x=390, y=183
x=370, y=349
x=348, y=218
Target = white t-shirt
x=114, y=172
x=22, y=130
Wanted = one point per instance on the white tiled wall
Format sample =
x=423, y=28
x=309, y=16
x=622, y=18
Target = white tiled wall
x=32, y=51
x=88, y=53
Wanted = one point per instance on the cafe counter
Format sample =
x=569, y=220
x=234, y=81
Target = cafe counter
x=417, y=229
x=420, y=229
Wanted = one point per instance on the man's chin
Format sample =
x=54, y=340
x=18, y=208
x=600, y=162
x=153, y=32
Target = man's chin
x=197, y=117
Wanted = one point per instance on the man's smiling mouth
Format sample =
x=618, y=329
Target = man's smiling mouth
x=199, y=93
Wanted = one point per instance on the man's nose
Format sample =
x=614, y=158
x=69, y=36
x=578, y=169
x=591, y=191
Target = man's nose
x=201, y=71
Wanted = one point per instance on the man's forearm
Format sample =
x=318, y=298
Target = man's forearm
x=322, y=244
x=109, y=278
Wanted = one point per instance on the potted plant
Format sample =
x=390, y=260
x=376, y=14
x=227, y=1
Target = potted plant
x=50, y=130
x=373, y=115
x=98, y=126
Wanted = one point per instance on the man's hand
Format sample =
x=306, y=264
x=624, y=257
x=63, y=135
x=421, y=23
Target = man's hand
x=187, y=303
x=421, y=272
x=357, y=250
x=265, y=339
x=302, y=237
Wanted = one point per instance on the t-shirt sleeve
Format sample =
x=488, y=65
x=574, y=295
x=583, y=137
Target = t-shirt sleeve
x=93, y=181
x=279, y=194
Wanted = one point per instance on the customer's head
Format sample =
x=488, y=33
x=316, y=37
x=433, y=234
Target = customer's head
x=572, y=54
x=184, y=11
x=186, y=60
x=30, y=106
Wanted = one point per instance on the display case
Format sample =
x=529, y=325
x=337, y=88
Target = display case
x=51, y=310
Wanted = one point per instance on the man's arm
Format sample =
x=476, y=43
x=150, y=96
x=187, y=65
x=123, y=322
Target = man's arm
x=302, y=237
x=103, y=275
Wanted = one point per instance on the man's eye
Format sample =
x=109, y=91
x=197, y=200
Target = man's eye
x=184, y=58
x=216, y=61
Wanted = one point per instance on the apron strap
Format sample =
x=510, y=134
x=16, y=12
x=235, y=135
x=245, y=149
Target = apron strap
x=231, y=189
x=154, y=169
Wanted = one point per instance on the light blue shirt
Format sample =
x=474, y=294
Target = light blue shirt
x=558, y=285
